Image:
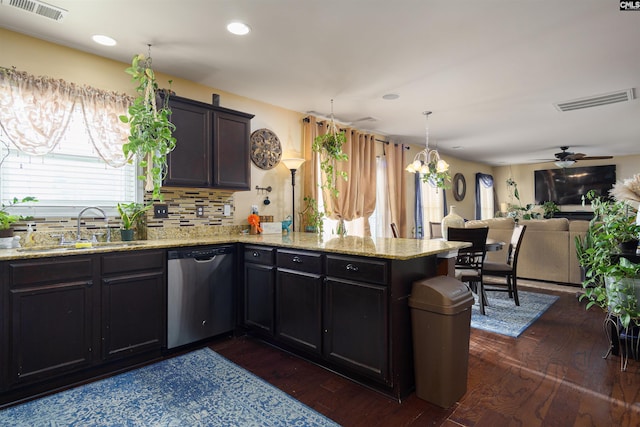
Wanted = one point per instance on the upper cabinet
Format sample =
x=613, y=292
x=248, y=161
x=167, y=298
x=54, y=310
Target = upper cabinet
x=212, y=147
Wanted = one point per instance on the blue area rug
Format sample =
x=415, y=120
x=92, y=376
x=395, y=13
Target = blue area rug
x=504, y=317
x=200, y=388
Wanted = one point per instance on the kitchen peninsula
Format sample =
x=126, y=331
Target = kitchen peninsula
x=341, y=303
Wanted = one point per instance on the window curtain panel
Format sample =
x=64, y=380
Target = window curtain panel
x=357, y=195
x=397, y=186
x=482, y=180
x=35, y=113
x=418, y=213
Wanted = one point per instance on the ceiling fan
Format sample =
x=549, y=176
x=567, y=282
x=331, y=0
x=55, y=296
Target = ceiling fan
x=567, y=158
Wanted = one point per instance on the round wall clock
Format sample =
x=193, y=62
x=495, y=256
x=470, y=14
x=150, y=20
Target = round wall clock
x=266, y=150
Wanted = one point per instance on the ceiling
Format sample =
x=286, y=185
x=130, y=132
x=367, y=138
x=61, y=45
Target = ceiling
x=490, y=71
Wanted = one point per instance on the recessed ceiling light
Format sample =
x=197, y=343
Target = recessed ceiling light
x=390, y=96
x=238, y=28
x=103, y=40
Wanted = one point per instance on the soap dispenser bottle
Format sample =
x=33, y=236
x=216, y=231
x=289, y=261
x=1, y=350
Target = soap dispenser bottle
x=30, y=239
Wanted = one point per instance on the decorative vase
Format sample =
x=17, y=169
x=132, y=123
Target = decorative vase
x=451, y=220
x=126, y=235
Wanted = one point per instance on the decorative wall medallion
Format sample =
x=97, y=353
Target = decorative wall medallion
x=266, y=150
x=459, y=187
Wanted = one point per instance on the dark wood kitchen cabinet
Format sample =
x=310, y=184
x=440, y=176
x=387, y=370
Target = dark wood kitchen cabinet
x=212, y=148
x=298, y=309
x=259, y=289
x=356, y=306
x=50, y=327
x=133, y=303
x=69, y=318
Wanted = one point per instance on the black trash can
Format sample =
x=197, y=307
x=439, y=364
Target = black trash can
x=441, y=318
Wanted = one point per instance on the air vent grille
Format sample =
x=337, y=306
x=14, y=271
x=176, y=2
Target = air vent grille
x=595, y=101
x=39, y=8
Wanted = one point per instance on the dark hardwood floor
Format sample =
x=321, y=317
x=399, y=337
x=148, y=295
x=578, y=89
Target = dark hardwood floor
x=552, y=375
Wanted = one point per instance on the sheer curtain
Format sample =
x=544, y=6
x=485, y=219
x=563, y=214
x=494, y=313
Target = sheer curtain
x=396, y=186
x=35, y=112
x=381, y=218
x=485, y=206
x=432, y=205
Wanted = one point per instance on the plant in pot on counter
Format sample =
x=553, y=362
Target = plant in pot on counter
x=7, y=219
x=151, y=131
x=130, y=215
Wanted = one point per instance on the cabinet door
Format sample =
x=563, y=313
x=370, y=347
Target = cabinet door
x=355, y=327
x=132, y=314
x=231, y=159
x=259, y=283
x=133, y=303
x=298, y=309
x=50, y=318
x=189, y=164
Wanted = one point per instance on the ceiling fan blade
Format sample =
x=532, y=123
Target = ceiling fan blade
x=575, y=156
x=596, y=157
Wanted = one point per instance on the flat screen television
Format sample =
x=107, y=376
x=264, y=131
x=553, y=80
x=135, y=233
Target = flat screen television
x=567, y=186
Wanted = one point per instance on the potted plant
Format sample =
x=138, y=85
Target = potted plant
x=312, y=216
x=7, y=219
x=517, y=211
x=150, y=137
x=612, y=281
x=130, y=215
x=549, y=209
x=329, y=147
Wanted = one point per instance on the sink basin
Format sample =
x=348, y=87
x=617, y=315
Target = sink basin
x=72, y=247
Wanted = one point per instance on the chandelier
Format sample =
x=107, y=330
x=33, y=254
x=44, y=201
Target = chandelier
x=428, y=163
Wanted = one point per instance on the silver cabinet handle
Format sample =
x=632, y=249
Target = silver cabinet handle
x=256, y=254
x=351, y=267
x=296, y=259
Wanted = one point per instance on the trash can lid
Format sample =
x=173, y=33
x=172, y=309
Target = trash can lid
x=441, y=294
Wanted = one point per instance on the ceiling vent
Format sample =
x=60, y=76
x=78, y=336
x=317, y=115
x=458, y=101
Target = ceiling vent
x=39, y=8
x=595, y=101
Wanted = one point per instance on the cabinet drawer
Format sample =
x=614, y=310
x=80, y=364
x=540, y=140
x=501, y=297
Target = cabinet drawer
x=309, y=262
x=357, y=269
x=259, y=255
x=121, y=262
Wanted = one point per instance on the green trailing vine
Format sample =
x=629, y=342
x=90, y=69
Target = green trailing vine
x=150, y=138
x=329, y=146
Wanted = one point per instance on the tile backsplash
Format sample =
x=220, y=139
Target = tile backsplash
x=182, y=220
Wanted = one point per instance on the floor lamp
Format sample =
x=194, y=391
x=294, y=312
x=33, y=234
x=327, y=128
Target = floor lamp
x=293, y=164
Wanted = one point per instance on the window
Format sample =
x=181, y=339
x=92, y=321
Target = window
x=484, y=196
x=69, y=178
x=432, y=205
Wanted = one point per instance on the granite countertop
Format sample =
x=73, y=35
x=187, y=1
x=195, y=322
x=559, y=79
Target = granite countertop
x=400, y=249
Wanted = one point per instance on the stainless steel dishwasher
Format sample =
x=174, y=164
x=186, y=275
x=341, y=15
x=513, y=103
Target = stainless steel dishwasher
x=200, y=294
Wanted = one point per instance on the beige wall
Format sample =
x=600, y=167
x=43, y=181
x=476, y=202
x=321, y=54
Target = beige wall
x=626, y=167
x=42, y=58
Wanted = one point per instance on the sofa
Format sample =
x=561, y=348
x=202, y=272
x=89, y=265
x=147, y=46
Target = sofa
x=548, y=249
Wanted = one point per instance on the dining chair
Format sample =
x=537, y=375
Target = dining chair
x=469, y=262
x=435, y=230
x=394, y=230
x=506, y=270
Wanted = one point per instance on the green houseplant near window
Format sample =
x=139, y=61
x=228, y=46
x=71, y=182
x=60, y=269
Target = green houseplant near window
x=150, y=137
x=130, y=215
x=7, y=219
x=329, y=147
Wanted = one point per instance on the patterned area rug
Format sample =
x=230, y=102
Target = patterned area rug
x=200, y=388
x=504, y=317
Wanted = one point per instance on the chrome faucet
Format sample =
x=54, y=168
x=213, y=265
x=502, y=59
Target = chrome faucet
x=104, y=215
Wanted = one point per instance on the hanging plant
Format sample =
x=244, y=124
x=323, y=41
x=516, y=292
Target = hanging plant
x=329, y=147
x=150, y=138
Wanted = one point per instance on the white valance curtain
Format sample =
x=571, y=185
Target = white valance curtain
x=35, y=112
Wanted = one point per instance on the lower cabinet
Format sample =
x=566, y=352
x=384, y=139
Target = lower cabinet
x=355, y=327
x=64, y=318
x=133, y=302
x=49, y=316
x=259, y=288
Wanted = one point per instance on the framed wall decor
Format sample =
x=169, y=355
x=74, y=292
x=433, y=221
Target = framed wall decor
x=459, y=187
x=266, y=149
